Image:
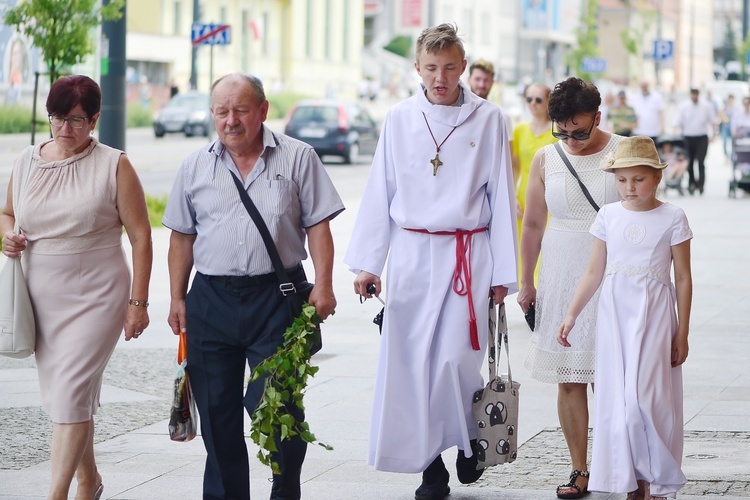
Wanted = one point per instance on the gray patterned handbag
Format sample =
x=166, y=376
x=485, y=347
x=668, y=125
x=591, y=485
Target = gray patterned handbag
x=495, y=407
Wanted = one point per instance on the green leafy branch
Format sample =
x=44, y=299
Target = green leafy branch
x=286, y=375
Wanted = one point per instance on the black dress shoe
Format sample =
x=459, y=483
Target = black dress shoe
x=434, y=482
x=691, y=189
x=466, y=468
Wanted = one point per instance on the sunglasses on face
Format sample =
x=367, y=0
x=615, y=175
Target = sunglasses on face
x=538, y=100
x=578, y=136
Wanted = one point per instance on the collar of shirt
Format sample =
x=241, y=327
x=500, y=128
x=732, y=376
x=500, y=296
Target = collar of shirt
x=269, y=141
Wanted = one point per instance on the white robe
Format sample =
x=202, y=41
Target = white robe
x=428, y=371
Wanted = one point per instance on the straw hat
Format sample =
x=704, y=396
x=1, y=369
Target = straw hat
x=632, y=152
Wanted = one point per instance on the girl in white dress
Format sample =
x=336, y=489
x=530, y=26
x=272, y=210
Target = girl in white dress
x=641, y=339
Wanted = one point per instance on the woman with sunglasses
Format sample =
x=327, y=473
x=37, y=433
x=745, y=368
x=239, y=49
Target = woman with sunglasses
x=565, y=245
x=528, y=137
x=71, y=197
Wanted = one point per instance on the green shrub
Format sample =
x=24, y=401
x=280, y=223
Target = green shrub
x=17, y=120
x=401, y=45
x=138, y=115
x=156, y=206
x=281, y=103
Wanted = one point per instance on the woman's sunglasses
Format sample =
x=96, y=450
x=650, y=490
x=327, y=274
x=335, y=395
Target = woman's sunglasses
x=578, y=136
x=538, y=100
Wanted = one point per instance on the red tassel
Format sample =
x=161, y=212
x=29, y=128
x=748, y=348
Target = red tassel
x=473, y=334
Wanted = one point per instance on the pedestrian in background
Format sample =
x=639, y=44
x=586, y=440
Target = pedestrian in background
x=235, y=313
x=565, y=246
x=725, y=128
x=481, y=80
x=528, y=138
x=649, y=112
x=641, y=343
x=73, y=196
x=622, y=116
x=438, y=206
x=741, y=120
x=694, y=119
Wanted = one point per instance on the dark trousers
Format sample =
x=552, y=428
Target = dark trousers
x=697, y=147
x=231, y=322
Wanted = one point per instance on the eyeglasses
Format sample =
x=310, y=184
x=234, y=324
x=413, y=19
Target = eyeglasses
x=74, y=121
x=578, y=136
x=538, y=100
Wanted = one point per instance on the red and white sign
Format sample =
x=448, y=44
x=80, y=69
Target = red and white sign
x=411, y=13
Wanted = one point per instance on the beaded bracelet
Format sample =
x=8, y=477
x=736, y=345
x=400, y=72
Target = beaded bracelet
x=138, y=303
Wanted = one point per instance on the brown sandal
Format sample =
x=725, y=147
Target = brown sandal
x=580, y=492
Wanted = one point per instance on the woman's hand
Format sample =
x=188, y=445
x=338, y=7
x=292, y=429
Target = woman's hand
x=363, y=281
x=679, y=349
x=565, y=328
x=136, y=320
x=13, y=244
x=526, y=296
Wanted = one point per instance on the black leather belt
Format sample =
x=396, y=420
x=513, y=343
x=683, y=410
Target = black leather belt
x=296, y=274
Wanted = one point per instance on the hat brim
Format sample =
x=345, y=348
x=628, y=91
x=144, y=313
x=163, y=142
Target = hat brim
x=631, y=162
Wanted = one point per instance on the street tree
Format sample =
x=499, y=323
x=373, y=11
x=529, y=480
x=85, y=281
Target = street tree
x=61, y=29
x=587, y=35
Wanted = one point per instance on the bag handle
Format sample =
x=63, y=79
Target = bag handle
x=22, y=188
x=285, y=284
x=575, y=174
x=501, y=325
x=182, y=349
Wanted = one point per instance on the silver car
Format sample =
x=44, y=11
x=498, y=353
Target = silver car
x=186, y=113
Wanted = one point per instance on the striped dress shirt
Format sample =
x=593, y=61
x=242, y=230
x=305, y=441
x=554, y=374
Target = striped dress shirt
x=288, y=184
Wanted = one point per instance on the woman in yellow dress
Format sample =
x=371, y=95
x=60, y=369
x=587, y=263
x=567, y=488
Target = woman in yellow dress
x=528, y=137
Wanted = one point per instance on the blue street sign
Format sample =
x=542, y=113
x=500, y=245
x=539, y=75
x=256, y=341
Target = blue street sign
x=663, y=50
x=594, y=65
x=211, y=34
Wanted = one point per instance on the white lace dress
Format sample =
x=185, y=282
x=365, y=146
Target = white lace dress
x=566, y=248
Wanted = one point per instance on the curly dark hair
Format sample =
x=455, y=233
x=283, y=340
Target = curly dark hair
x=572, y=97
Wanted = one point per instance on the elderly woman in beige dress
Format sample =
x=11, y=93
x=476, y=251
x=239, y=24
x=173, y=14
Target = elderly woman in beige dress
x=72, y=196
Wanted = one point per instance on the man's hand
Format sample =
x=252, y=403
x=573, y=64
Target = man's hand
x=499, y=292
x=363, y=281
x=176, y=318
x=323, y=299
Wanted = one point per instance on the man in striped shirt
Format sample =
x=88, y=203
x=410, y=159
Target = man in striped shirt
x=235, y=312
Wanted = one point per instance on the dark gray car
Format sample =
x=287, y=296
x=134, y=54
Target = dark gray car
x=336, y=128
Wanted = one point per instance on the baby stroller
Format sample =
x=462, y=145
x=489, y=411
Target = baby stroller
x=672, y=151
x=740, y=162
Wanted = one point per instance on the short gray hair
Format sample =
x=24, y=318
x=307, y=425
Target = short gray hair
x=439, y=38
x=255, y=84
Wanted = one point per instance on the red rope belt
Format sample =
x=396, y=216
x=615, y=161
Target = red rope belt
x=462, y=272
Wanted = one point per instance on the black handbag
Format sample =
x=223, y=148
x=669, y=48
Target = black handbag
x=296, y=293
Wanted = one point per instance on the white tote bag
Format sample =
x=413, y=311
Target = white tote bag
x=17, y=326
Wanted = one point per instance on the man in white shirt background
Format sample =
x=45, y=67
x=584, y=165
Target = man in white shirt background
x=649, y=111
x=695, y=118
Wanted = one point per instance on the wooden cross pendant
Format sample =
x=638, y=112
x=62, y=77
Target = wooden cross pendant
x=436, y=163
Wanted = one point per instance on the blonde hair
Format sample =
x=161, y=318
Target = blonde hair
x=439, y=38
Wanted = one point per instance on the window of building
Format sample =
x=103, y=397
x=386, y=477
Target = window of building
x=177, y=26
x=244, y=41
x=308, y=30
x=345, y=33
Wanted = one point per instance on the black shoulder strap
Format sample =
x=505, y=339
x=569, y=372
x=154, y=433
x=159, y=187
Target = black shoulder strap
x=285, y=285
x=575, y=174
